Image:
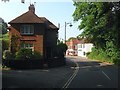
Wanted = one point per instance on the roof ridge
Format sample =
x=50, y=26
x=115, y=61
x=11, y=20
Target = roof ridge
x=27, y=17
x=49, y=23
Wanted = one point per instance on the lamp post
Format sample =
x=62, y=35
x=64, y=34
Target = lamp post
x=65, y=29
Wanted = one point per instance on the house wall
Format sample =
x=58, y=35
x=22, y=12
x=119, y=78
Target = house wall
x=84, y=48
x=36, y=40
x=50, y=42
x=51, y=37
x=72, y=47
x=38, y=44
x=39, y=29
x=13, y=31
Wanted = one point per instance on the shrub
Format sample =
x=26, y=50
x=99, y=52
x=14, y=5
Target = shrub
x=116, y=61
x=5, y=45
x=116, y=58
x=63, y=47
x=24, y=54
x=7, y=54
x=99, y=54
x=27, y=54
x=36, y=55
x=87, y=53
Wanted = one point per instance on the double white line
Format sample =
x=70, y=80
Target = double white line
x=73, y=76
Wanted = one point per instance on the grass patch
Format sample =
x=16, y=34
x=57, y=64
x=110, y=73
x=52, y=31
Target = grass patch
x=4, y=36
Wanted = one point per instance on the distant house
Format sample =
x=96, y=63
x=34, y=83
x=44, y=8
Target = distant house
x=83, y=48
x=72, y=47
x=36, y=33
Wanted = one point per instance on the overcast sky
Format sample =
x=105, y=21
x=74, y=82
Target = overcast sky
x=54, y=10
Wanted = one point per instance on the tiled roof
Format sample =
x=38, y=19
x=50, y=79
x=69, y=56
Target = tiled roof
x=74, y=42
x=48, y=23
x=28, y=17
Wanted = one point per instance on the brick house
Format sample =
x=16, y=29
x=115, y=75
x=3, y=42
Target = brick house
x=36, y=33
x=72, y=46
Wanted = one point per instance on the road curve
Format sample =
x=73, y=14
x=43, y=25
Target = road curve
x=94, y=74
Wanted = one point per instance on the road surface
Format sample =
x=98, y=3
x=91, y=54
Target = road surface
x=78, y=73
x=94, y=74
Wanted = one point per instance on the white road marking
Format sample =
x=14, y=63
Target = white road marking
x=106, y=75
x=72, y=77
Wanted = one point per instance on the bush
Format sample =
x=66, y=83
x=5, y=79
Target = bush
x=99, y=54
x=27, y=54
x=24, y=54
x=37, y=55
x=63, y=47
x=7, y=54
x=5, y=45
x=87, y=53
x=116, y=61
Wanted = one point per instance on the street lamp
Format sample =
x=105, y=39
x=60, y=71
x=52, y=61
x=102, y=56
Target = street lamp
x=65, y=29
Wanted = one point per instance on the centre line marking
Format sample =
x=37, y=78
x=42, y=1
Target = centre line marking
x=106, y=75
x=72, y=77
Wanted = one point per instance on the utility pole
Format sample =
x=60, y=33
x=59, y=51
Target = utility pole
x=65, y=29
x=65, y=32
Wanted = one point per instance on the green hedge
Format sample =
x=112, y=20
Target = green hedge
x=111, y=56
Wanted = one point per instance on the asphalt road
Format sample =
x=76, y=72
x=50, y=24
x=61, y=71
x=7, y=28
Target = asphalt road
x=94, y=74
x=78, y=73
x=41, y=78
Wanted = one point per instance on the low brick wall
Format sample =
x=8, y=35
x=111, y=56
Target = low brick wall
x=23, y=64
x=34, y=64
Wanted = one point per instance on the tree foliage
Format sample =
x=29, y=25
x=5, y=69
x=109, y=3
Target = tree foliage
x=14, y=43
x=3, y=26
x=99, y=21
x=71, y=38
x=100, y=24
x=5, y=45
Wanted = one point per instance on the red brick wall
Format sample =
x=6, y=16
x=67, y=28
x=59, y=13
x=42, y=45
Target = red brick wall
x=13, y=31
x=38, y=45
x=36, y=40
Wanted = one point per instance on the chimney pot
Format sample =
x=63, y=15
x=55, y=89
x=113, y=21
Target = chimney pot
x=32, y=8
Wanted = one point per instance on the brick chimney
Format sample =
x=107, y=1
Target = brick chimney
x=32, y=8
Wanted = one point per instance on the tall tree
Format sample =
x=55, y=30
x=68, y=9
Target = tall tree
x=100, y=21
x=3, y=26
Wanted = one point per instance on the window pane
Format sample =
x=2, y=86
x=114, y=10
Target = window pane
x=26, y=29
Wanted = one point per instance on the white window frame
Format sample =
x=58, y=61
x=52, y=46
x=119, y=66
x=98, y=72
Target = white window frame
x=80, y=46
x=83, y=45
x=28, y=46
x=27, y=29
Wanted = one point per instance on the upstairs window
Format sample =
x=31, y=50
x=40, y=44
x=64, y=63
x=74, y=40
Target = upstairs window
x=27, y=30
x=80, y=46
